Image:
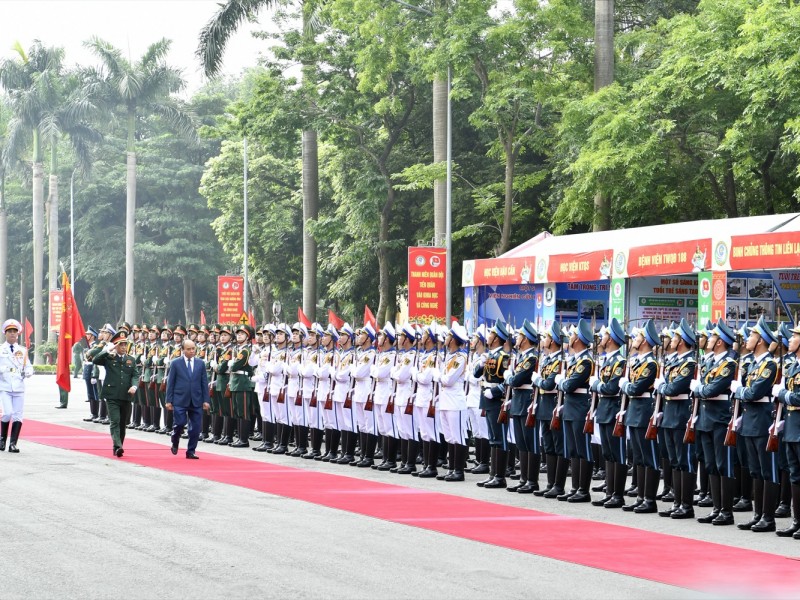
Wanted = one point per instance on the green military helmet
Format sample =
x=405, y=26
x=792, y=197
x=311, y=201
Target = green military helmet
x=251, y=333
x=204, y=329
x=124, y=326
x=225, y=328
x=156, y=328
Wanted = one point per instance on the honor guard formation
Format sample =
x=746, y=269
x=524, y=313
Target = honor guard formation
x=707, y=419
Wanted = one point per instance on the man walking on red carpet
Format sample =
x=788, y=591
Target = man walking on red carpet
x=187, y=396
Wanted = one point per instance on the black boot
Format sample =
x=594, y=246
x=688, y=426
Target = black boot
x=534, y=464
x=562, y=465
x=403, y=456
x=492, y=467
x=362, y=444
x=767, y=521
x=500, y=466
x=618, y=495
x=715, y=484
x=15, y=427
x=459, y=462
x=575, y=470
x=412, y=450
x=316, y=445
x=651, y=482
x=725, y=516
x=676, y=487
x=451, y=462
x=216, y=430
x=550, y=467
x=785, y=507
x=794, y=527
x=584, y=481
x=284, y=431
x=3, y=434
x=608, y=488
x=244, y=434
x=431, y=457
x=745, y=503
x=640, y=472
x=390, y=454
x=482, y=454
x=758, y=499
x=666, y=493
x=332, y=445
x=686, y=508
x=371, y=442
x=523, y=469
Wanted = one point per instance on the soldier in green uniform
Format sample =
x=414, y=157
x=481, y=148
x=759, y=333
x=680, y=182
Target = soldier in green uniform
x=241, y=384
x=140, y=401
x=150, y=335
x=223, y=402
x=122, y=379
x=205, y=352
x=160, y=369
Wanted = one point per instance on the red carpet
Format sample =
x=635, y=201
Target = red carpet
x=673, y=560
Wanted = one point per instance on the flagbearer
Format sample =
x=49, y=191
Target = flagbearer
x=15, y=367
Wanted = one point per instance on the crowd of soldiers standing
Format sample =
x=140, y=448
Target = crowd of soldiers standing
x=714, y=414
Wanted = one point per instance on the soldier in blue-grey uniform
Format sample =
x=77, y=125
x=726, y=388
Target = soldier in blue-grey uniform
x=677, y=410
x=712, y=391
x=575, y=386
x=606, y=385
x=551, y=364
x=756, y=399
x=789, y=396
x=90, y=374
x=638, y=386
x=527, y=438
x=492, y=371
x=784, y=506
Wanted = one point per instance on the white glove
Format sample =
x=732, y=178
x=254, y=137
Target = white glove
x=487, y=393
x=559, y=378
x=230, y=364
x=93, y=381
x=735, y=385
x=657, y=383
x=27, y=374
x=621, y=414
x=659, y=416
x=738, y=424
x=537, y=380
x=776, y=389
x=592, y=379
x=213, y=364
x=559, y=409
x=693, y=384
x=482, y=360
x=437, y=375
x=623, y=382
x=781, y=423
x=132, y=390
x=507, y=374
x=3, y=369
x=143, y=360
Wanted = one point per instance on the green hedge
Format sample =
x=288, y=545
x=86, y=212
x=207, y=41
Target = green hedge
x=38, y=369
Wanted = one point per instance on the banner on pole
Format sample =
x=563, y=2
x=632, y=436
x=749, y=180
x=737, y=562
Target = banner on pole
x=56, y=309
x=427, y=281
x=230, y=298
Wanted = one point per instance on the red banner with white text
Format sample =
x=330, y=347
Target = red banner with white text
x=427, y=284
x=230, y=298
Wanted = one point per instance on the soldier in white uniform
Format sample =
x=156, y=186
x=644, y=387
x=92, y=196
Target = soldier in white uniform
x=423, y=376
x=404, y=401
x=278, y=393
x=343, y=388
x=452, y=403
x=324, y=374
x=15, y=367
x=365, y=358
x=308, y=371
x=297, y=414
x=260, y=360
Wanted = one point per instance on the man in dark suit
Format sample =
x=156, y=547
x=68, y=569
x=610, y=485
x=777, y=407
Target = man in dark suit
x=187, y=396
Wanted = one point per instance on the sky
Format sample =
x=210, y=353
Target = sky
x=131, y=25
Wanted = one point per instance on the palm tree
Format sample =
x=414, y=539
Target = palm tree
x=213, y=39
x=143, y=87
x=603, y=76
x=31, y=82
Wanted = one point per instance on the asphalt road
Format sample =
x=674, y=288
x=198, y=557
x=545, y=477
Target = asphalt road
x=79, y=526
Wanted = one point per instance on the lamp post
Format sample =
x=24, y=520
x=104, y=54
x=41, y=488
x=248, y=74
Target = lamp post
x=72, y=229
x=449, y=180
x=245, y=223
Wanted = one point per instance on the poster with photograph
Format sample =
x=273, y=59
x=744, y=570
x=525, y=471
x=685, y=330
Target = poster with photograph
x=755, y=310
x=737, y=288
x=736, y=311
x=759, y=289
x=593, y=309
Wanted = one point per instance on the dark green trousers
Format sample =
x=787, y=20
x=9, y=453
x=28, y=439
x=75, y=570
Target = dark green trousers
x=63, y=397
x=119, y=413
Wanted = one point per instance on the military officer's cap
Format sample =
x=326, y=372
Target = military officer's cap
x=500, y=330
x=795, y=329
x=286, y=329
x=216, y=328
x=555, y=332
x=459, y=332
x=136, y=327
x=389, y=331
x=723, y=332
x=204, y=329
x=369, y=330
x=408, y=331
x=528, y=329
x=108, y=329
x=331, y=331
x=785, y=333
x=650, y=333
x=248, y=329
x=347, y=330
x=318, y=329
x=432, y=330
x=301, y=329
x=119, y=337
x=616, y=332
x=225, y=329
x=180, y=329
x=11, y=324
x=124, y=325
x=480, y=333
x=167, y=328
x=762, y=329
x=707, y=330
x=91, y=331
x=685, y=331
x=192, y=328
x=584, y=332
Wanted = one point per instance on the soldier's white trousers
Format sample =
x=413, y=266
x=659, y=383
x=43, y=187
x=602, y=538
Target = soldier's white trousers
x=13, y=403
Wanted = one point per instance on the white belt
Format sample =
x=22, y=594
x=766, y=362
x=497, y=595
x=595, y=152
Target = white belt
x=762, y=401
x=362, y=378
x=678, y=397
x=579, y=391
x=524, y=387
x=721, y=397
x=239, y=373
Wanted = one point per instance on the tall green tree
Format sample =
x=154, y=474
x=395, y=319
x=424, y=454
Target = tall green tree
x=137, y=89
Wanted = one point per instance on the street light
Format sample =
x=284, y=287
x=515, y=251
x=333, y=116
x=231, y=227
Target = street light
x=245, y=224
x=72, y=228
x=449, y=180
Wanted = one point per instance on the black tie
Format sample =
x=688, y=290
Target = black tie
x=12, y=348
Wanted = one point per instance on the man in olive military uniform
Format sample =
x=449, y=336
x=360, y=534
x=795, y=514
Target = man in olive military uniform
x=498, y=359
x=712, y=391
x=119, y=386
x=223, y=400
x=241, y=385
x=756, y=399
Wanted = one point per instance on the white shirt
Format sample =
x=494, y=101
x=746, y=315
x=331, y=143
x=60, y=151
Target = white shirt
x=14, y=367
